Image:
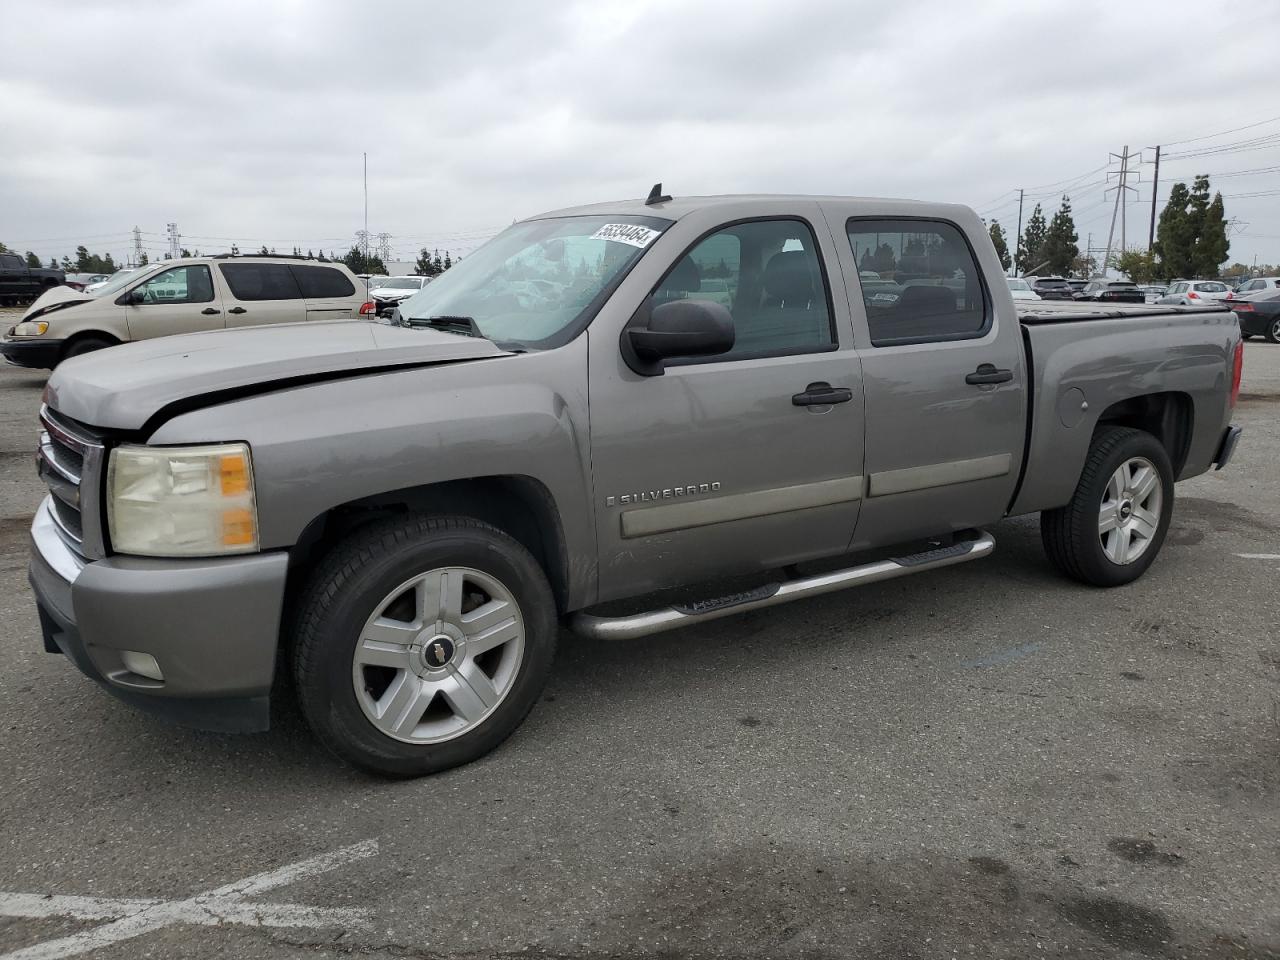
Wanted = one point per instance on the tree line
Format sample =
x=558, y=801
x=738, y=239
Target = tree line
x=1191, y=241
x=84, y=262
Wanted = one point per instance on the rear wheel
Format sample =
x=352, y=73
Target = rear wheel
x=1115, y=524
x=422, y=643
x=1273, y=331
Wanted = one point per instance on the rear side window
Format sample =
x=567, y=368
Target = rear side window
x=318, y=282
x=941, y=296
x=261, y=281
x=769, y=274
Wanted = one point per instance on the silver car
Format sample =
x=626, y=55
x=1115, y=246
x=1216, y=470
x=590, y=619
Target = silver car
x=1189, y=293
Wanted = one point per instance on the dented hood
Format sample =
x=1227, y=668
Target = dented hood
x=126, y=386
x=55, y=298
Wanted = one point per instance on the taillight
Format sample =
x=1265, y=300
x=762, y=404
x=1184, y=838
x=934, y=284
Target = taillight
x=1237, y=367
x=1242, y=307
x=1192, y=295
x=367, y=308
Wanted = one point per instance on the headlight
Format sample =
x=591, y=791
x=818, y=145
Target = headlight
x=30, y=328
x=182, y=501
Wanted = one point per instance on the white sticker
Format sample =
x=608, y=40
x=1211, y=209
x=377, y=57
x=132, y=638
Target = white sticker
x=627, y=233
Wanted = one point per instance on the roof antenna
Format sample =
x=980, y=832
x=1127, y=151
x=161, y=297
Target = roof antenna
x=657, y=196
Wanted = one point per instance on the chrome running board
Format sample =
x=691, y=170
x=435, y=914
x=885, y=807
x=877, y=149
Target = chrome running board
x=771, y=594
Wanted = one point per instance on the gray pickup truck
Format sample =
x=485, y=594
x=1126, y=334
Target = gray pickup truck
x=607, y=403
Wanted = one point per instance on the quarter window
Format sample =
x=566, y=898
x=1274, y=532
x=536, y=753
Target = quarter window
x=261, y=281
x=768, y=273
x=937, y=292
x=319, y=282
x=192, y=284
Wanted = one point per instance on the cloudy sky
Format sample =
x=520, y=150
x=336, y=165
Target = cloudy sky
x=246, y=121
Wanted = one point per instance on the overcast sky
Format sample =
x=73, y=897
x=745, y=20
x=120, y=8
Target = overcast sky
x=247, y=121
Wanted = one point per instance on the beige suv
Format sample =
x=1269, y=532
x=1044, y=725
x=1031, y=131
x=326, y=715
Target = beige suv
x=183, y=296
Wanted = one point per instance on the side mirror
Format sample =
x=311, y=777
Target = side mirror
x=677, y=328
x=134, y=296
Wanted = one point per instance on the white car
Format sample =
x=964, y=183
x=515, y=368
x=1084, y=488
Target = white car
x=393, y=291
x=1019, y=289
x=1256, y=285
x=1190, y=293
x=99, y=284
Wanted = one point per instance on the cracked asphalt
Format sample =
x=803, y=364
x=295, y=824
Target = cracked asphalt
x=986, y=761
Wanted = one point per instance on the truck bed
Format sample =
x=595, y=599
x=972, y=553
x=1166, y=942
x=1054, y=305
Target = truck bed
x=1032, y=312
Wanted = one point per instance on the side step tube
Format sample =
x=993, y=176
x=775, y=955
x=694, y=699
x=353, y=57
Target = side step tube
x=687, y=614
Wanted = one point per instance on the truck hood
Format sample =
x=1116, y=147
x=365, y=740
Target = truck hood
x=125, y=387
x=55, y=298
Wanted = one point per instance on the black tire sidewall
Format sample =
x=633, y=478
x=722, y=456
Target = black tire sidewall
x=1272, y=329
x=87, y=345
x=325, y=688
x=1097, y=566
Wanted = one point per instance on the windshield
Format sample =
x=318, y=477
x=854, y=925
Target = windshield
x=537, y=282
x=118, y=280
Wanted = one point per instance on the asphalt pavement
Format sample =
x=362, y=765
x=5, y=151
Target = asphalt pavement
x=985, y=761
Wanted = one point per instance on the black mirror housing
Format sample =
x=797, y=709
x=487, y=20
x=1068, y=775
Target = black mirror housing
x=677, y=328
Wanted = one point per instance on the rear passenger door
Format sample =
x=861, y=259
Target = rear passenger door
x=944, y=380
x=327, y=292
x=261, y=293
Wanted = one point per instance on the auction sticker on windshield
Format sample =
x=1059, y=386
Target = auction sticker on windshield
x=628, y=233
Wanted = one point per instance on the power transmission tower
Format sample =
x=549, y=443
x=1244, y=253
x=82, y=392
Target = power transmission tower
x=175, y=241
x=362, y=243
x=137, y=247
x=1120, y=206
x=384, y=247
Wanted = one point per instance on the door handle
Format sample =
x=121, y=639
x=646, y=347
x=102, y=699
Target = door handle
x=822, y=394
x=237, y=310
x=209, y=311
x=988, y=373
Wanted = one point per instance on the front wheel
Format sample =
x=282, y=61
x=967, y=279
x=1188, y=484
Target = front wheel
x=422, y=643
x=1273, y=331
x=1115, y=524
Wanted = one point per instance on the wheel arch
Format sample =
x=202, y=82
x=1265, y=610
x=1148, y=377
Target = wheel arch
x=519, y=505
x=81, y=335
x=1168, y=416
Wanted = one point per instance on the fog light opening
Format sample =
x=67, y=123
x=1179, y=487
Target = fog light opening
x=143, y=664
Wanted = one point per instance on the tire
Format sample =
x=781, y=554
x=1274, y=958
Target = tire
x=381, y=684
x=1073, y=535
x=79, y=348
x=1273, y=331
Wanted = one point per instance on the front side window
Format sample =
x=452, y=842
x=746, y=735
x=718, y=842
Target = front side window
x=192, y=284
x=768, y=273
x=538, y=283
x=942, y=296
x=261, y=281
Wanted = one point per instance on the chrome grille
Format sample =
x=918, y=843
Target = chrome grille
x=68, y=461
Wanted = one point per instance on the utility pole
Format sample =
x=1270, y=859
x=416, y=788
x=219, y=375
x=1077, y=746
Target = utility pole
x=1155, y=187
x=1088, y=252
x=1119, y=208
x=364, y=234
x=1017, y=241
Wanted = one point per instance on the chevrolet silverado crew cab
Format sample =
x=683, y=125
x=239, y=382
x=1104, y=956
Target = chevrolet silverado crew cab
x=21, y=283
x=182, y=296
x=401, y=516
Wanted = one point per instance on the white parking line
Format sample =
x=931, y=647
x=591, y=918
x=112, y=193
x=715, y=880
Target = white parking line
x=1259, y=556
x=226, y=904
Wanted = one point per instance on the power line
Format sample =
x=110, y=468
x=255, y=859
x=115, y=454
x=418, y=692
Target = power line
x=1222, y=133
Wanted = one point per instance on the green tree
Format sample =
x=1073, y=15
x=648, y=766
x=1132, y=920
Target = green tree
x=33, y=260
x=53, y=263
x=1212, y=245
x=1001, y=244
x=1059, y=246
x=3, y=248
x=143, y=260
x=82, y=259
x=1136, y=264
x=1175, y=235
x=422, y=266
x=1033, y=237
x=264, y=252
x=448, y=260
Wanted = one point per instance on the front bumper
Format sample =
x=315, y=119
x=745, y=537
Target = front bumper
x=41, y=354
x=212, y=626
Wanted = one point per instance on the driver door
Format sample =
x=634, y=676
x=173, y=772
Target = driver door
x=179, y=300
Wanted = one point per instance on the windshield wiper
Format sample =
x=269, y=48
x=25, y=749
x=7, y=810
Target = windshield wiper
x=450, y=324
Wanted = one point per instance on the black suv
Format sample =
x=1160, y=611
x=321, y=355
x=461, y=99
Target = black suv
x=1052, y=288
x=1113, y=291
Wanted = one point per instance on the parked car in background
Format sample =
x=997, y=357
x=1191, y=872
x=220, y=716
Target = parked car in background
x=1152, y=292
x=1112, y=291
x=1256, y=285
x=881, y=291
x=393, y=291
x=1193, y=292
x=1077, y=285
x=81, y=281
x=20, y=283
x=1259, y=314
x=182, y=296
x=1051, y=288
x=402, y=517
x=1019, y=289
x=122, y=272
